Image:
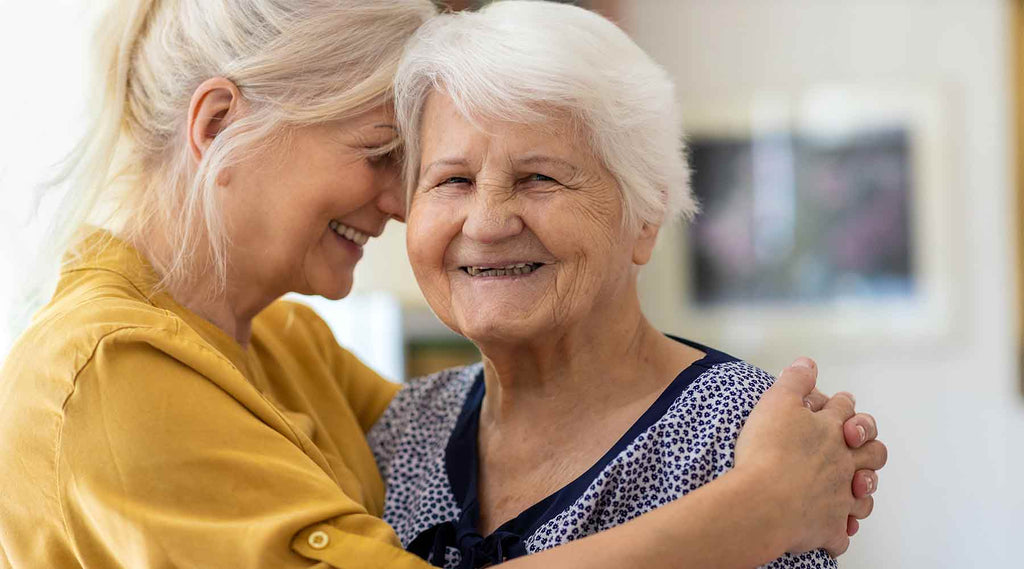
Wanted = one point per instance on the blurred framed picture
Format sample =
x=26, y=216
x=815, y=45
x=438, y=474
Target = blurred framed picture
x=822, y=222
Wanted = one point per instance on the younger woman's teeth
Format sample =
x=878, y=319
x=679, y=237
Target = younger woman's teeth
x=350, y=233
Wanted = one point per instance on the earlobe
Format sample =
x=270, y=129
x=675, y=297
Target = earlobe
x=214, y=105
x=644, y=246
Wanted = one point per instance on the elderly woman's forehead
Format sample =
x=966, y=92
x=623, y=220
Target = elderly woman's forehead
x=546, y=117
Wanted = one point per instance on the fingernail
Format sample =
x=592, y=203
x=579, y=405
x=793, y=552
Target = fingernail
x=870, y=485
x=807, y=403
x=803, y=362
x=862, y=434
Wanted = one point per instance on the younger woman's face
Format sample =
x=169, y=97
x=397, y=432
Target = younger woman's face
x=299, y=214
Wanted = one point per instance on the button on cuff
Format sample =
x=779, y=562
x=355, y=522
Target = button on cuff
x=318, y=539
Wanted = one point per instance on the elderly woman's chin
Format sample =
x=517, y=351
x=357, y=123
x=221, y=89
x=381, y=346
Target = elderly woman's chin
x=494, y=329
x=497, y=322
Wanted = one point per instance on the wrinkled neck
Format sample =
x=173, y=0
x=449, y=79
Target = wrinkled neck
x=591, y=363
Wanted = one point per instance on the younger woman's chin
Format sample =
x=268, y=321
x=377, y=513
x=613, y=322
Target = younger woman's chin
x=336, y=292
x=334, y=288
x=335, y=295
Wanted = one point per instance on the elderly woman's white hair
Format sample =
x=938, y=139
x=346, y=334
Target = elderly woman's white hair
x=527, y=61
x=295, y=62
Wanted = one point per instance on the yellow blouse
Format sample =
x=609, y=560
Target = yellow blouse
x=135, y=434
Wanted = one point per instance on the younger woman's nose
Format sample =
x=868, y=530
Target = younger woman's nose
x=392, y=199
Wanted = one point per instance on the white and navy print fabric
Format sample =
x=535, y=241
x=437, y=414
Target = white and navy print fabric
x=425, y=445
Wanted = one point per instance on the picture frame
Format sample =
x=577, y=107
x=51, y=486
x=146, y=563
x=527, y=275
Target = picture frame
x=829, y=321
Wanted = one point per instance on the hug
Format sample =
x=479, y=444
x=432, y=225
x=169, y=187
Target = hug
x=167, y=409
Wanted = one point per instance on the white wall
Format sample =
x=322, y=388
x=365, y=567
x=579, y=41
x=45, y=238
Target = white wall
x=41, y=101
x=952, y=414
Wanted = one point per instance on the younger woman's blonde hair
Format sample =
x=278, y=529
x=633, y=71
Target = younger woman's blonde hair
x=295, y=62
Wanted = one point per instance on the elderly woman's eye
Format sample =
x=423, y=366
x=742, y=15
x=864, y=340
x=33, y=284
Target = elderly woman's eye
x=453, y=180
x=539, y=178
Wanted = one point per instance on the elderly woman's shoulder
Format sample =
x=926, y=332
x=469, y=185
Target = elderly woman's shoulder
x=424, y=411
x=727, y=389
x=736, y=377
x=443, y=392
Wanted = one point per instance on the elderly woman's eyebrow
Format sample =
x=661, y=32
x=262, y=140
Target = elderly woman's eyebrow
x=538, y=160
x=444, y=162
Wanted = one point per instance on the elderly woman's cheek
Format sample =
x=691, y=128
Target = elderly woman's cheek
x=570, y=290
x=429, y=233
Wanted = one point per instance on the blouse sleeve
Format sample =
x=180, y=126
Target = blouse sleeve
x=161, y=467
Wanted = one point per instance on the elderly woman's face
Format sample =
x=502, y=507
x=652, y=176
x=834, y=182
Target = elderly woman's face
x=516, y=231
x=299, y=215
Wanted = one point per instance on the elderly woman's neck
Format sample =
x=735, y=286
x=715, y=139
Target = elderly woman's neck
x=587, y=365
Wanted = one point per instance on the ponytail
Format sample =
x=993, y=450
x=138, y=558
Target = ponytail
x=91, y=167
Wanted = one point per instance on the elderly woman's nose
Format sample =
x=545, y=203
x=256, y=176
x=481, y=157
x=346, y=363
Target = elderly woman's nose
x=491, y=220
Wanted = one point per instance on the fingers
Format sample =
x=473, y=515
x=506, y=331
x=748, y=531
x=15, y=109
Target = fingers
x=865, y=482
x=842, y=405
x=860, y=429
x=872, y=456
x=852, y=526
x=815, y=400
x=862, y=507
x=798, y=379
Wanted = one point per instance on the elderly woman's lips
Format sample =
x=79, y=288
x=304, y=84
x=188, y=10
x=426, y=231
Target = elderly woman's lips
x=507, y=270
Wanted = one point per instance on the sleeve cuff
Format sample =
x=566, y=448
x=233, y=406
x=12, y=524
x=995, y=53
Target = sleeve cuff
x=326, y=543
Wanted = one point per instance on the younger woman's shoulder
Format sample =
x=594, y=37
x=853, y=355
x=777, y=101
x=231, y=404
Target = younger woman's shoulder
x=291, y=320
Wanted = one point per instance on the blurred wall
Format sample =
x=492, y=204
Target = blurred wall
x=951, y=414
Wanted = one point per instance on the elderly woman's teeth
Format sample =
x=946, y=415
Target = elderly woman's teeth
x=350, y=233
x=510, y=270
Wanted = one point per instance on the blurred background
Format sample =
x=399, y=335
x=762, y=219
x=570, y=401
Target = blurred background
x=858, y=165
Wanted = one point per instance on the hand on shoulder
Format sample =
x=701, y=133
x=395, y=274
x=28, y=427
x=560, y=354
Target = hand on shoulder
x=815, y=457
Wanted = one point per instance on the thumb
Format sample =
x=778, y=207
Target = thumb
x=796, y=381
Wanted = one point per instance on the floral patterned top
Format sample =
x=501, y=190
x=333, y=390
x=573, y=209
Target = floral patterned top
x=425, y=445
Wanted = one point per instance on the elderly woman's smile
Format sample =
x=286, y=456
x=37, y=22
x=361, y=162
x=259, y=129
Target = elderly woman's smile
x=498, y=270
x=515, y=229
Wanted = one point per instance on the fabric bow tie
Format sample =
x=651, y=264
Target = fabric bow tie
x=476, y=551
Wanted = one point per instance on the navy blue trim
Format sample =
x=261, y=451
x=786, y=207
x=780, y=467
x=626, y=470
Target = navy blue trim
x=462, y=462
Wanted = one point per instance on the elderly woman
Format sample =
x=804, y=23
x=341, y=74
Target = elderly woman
x=544, y=157
x=166, y=410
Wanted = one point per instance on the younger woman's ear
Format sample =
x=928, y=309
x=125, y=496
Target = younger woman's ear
x=214, y=105
x=644, y=247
